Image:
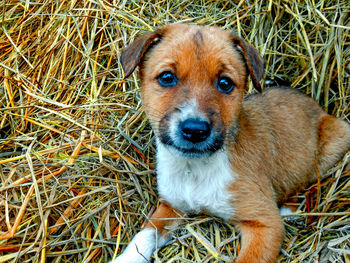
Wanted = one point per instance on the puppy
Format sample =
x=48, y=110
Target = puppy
x=219, y=153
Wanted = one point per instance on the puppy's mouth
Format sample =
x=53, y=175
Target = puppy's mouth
x=192, y=138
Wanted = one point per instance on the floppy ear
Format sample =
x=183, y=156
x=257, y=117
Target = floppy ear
x=132, y=55
x=254, y=61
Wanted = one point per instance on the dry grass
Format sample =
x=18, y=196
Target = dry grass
x=77, y=155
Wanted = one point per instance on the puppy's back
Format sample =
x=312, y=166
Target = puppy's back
x=289, y=138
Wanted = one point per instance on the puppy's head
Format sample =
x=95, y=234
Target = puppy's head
x=193, y=80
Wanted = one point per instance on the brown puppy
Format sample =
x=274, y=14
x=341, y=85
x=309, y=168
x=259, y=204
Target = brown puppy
x=219, y=153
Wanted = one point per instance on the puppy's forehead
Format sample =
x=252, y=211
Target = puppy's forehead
x=198, y=42
x=184, y=47
x=195, y=33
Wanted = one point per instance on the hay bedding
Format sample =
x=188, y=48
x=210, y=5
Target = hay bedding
x=76, y=151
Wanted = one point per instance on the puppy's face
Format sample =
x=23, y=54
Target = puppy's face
x=193, y=80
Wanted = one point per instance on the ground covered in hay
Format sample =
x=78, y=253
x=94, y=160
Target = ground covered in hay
x=77, y=153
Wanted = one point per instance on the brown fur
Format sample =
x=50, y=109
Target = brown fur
x=277, y=139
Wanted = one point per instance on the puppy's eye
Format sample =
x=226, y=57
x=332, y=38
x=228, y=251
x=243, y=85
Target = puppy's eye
x=167, y=79
x=224, y=84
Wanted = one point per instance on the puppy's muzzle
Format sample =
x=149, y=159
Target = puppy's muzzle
x=190, y=132
x=192, y=137
x=195, y=131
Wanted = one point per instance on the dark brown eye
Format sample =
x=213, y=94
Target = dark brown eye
x=167, y=79
x=224, y=84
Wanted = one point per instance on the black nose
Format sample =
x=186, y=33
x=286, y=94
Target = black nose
x=194, y=130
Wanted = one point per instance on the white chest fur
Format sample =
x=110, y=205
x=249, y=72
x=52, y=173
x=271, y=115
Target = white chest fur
x=195, y=185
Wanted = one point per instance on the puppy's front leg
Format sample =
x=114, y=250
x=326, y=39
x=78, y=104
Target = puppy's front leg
x=261, y=239
x=154, y=235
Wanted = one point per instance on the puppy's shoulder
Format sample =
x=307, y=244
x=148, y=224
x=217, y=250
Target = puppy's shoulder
x=281, y=102
x=275, y=92
x=281, y=96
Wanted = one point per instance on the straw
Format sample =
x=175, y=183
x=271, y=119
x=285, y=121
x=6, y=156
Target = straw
x=77, y=153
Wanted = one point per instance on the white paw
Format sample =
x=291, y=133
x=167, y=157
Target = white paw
x=141, y=247
x=288, y=214
x=127, y=258
x=285, y=211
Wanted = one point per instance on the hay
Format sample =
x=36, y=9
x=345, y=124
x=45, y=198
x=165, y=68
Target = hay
x=77, y=155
